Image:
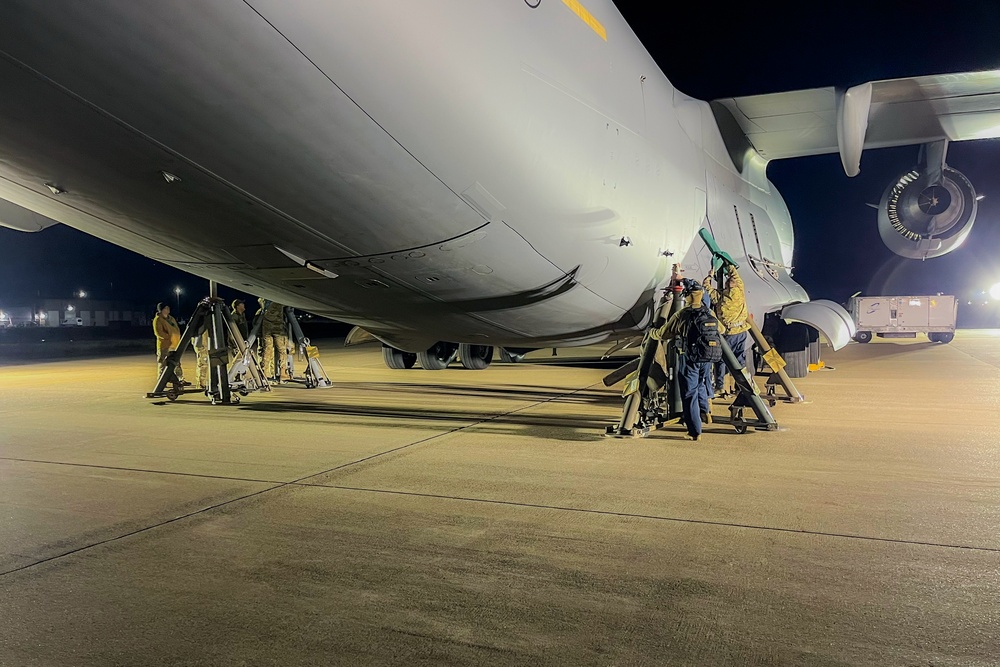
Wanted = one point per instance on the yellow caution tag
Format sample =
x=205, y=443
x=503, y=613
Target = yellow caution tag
x=774, y=360
x=631, y=383
x=312, y=351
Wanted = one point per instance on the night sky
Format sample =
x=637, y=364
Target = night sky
x=756, y=50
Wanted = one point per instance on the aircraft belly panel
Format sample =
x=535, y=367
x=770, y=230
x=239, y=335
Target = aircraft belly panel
x=270, y=126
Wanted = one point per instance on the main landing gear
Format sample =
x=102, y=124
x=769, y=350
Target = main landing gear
x=443, y=354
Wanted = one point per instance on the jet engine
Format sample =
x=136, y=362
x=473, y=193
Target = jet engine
x=920, y=218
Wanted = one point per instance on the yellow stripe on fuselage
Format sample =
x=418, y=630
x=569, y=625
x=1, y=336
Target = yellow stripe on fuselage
x=587, y=18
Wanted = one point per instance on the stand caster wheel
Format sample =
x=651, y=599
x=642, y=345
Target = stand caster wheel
x=172, y=394
x=740, y=425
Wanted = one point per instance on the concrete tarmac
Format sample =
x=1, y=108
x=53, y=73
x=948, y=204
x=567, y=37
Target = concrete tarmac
x=480, y=518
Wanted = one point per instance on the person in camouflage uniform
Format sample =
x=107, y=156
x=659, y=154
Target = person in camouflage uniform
x=274, y=340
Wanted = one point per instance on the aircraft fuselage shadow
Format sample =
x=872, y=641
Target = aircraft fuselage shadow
x=577, y=427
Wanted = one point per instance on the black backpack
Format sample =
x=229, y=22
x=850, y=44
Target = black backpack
x=704, y=342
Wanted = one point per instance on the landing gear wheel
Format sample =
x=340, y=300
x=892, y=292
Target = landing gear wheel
x=796, y=363
x=475, y=357
x=438, y=357
x=397, y=359
x=863, y=336
x=793, y=346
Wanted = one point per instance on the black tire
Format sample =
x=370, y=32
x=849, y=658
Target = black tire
x=863, y=336
x=792, y=343
x=475, y=357
x=398, y=360
x=796, y=363
x=438, y=357
x=944, y=337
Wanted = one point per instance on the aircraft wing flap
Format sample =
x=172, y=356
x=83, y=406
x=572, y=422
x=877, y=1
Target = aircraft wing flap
x=914, y=110
x=22, y=219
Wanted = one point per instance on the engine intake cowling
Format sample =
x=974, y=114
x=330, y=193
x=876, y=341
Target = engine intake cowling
x=919, y=219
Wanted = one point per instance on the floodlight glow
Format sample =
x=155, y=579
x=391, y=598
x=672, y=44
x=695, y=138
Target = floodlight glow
x=995, y=292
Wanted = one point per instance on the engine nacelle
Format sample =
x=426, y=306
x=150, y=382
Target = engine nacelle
x=918, y=219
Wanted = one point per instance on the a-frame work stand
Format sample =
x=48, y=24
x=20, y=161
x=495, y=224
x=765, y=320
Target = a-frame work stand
x=213, y=316
x=653, y=398
x=315, y=376
x=245, y=373
x=652, y=387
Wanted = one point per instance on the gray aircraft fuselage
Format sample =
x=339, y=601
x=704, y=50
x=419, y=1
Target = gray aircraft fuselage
x=482, y=172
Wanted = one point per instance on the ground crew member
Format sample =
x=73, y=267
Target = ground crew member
x=168, y=336
x=274, y=339
x=240, y=322
x=730, y=306
x=695, y=364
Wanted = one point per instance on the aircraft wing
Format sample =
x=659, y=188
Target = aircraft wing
x=877, y=114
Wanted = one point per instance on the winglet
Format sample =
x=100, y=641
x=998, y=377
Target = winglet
x=853, y=106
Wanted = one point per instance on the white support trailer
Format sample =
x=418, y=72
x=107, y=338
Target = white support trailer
x=904, y=317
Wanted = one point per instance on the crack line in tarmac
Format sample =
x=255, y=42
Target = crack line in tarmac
x=972, y=356
x=277, y=485
x=654, y=517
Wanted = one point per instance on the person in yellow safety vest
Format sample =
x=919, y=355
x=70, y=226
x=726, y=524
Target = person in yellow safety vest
x=730, y=305
x=168, y=336
x=274, y=339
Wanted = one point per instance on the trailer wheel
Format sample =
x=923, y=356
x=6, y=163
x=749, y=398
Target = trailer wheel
x=941, y=337
x=863, y=336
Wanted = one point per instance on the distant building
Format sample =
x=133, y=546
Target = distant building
x=77, y=313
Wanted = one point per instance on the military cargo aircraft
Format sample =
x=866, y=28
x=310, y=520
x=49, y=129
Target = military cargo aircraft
x=450, y=176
